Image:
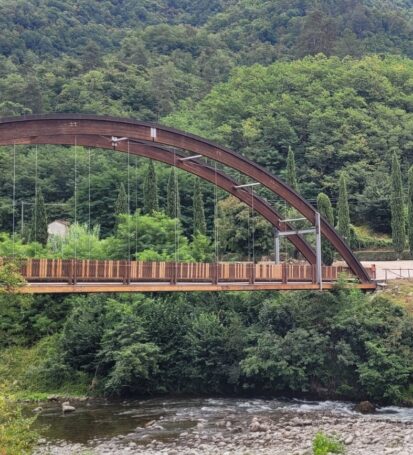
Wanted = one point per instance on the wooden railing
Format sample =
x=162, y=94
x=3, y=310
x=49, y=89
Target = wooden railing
x=76, y=271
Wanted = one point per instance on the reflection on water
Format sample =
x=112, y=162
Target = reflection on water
x=104, y=420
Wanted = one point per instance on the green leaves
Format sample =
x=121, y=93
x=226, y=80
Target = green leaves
x=397, y=207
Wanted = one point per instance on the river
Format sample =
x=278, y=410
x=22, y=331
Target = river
x=220, y=426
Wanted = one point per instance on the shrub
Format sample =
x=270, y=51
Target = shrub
x=324, y=444
x=16, y=434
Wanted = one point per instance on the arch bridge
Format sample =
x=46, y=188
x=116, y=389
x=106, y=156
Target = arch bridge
x=187, y=152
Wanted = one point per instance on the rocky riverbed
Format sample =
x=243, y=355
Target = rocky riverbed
x=228, y=426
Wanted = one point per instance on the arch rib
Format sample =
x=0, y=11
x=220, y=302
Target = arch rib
x=15, y=129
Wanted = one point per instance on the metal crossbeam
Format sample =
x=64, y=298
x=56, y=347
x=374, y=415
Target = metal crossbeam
x=193, y=157
x=296, y=232
x=245, y=185
x=292, y=219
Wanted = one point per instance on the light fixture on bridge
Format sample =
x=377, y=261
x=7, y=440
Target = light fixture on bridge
x=188, y=158
x=246, y=185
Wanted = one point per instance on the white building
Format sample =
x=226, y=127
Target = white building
x=58, y=227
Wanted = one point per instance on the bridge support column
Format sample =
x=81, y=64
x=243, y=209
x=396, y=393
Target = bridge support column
x=215, y=272
x=252, y=273
x=173, y=273
x=277, y=246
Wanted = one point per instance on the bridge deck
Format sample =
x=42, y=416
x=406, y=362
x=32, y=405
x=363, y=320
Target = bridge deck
x=45, y=276
x=85, y=288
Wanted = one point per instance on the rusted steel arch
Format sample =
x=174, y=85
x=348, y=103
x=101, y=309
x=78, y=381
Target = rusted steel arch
x=192, y=166
x=17, y=128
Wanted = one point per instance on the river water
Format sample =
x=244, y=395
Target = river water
x=220, y=426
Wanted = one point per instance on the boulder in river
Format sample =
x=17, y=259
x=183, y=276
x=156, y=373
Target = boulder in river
x=365, y=407
x=257, y=426
x=66, y=407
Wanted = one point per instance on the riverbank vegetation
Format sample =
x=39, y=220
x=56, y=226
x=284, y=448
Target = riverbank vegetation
x=16, y=433
x=341, y=344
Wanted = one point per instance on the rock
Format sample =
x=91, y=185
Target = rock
x=38, y=409
x=349, y=440
x=66, y=407
x=150, y=423
x=53, y=398
x=257, y=426
x=365, y=407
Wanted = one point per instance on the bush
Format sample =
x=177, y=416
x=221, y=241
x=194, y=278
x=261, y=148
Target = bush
x=16, y=434
x=324, y=444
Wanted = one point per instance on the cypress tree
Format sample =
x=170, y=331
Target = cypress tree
x=326, y=210
x=173, y=200
x=291, y=171
x=343, y=210
x=39, y=220
x=198, y=209
x=410, y=210
x=397, y=209
x=121, y=204
x=150, y=190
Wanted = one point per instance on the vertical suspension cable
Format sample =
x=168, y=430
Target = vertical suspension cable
x=129, y=218
x=253, y=225
x=285, y=240
x=89, y=204
x=249, y=233
x=36, y=195
x=216, y=239
x=14, y=199
x=136, y=207
x=176, y=212
x=75, y=201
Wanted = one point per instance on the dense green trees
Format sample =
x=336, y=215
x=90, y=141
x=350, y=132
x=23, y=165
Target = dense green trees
x=326, y=210
x=397, y=206
x=410, y=209
x=343, y=213
x=342, y=344
x=198, y=209
x=150, y=190
x=338, y=115
x=291, y=171
x=173, y=199
x=121, y=204
x=38, y=227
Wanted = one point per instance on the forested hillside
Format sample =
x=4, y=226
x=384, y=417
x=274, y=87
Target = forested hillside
x=164, y=61
x=142, y=58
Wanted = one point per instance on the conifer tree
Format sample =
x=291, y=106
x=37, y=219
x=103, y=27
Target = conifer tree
x=326, y=210
x=198, y=209
x=173, y=200
x=343, y=210
x=397, y=209
x=150, y=190
x=39, y=220
x=410, y=210
x=291, y=171
x=121, y=204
